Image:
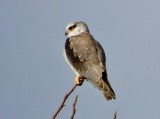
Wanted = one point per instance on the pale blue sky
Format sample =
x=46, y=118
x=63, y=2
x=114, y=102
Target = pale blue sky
x=34, y=76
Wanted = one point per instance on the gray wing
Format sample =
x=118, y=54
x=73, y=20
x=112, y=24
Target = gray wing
x=83, y=55
x=87, y=57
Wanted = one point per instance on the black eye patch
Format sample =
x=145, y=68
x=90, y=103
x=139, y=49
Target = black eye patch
x=72, y=27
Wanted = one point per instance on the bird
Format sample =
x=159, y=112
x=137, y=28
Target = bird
x=86, y=57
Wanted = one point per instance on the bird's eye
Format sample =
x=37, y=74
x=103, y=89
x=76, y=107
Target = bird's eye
x=72, y=27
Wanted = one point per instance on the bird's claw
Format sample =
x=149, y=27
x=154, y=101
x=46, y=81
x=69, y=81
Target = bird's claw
x=79, y=80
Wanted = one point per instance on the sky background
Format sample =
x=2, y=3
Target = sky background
x=34, y=76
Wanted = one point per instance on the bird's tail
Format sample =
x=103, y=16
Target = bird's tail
x=106, y=89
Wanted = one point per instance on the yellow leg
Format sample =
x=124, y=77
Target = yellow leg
x=79, y=80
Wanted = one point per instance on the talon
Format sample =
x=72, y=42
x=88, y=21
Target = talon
x=79, y=80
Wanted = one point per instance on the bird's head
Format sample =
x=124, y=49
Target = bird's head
x=76, y=28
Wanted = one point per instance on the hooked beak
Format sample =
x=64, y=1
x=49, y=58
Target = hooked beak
x=66, y=33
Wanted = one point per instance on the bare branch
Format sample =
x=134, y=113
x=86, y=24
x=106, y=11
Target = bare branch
x=64, y=100
x=74, y=107
x=115, y=115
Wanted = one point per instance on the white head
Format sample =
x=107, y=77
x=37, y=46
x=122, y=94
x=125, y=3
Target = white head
x=76, y=28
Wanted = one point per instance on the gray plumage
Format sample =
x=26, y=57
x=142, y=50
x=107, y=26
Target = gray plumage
x=87, y=58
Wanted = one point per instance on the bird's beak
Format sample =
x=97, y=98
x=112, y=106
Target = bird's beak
x=66, y=33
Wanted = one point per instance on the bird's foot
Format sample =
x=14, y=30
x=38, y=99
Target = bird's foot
x=79, y=80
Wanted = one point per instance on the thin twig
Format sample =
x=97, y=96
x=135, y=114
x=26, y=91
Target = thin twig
x=64, y=100
x=74, y=107
x=115, y=115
